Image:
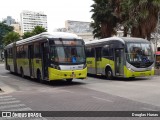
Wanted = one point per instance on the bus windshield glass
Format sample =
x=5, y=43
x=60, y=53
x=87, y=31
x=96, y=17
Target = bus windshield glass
x=139, y=53
x=67, y=54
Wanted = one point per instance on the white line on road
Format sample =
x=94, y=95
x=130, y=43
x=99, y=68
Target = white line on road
x=102, y=99
x=10, y=102
x=20, y=109
x=1, y=97
x=7, y=99
x=11, y=106
x=3, y=76
x=149, y=109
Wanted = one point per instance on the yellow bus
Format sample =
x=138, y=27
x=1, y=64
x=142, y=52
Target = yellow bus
x=120, y=57
x=48, y=57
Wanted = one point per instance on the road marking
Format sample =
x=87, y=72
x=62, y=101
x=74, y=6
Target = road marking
x=10, y=102
x=11, y=106
x=102, y=99
x=149, y=109
x=20, y=109
x=1, y=97
x=7, y=99
x=3, y=76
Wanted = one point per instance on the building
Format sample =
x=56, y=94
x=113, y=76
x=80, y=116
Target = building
x=29, y=20
x=82, y=29
x=9, y=20
x=17, y=28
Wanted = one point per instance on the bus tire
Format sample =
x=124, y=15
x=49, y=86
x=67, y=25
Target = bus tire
x=39, y=76
x=109, y=74
x=69, y=80
x=22, y=73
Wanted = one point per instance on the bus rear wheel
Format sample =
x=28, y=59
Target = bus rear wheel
x=22, y=73
x=109, y=74
x=69, y=80
x=39, y=76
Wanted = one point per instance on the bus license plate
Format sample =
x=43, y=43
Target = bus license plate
x=73, y=75
x=142, y=74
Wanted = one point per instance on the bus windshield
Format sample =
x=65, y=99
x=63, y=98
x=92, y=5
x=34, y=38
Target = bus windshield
x=67, y=54
x=139, y=53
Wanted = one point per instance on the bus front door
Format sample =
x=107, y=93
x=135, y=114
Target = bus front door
x=119, y=62
x=45, y=51
x=98, y=60
x=30, y=56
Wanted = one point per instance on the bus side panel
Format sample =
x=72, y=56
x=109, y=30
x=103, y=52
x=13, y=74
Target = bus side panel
x=37, y=62
x=25, y=65
x=10, y=64
x=91, y=65
x=108, y=62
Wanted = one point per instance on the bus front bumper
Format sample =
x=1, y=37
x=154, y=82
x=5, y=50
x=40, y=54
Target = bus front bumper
x=55, y=74
x=130, y=73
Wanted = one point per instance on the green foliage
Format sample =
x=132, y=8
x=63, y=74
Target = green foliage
x=11, y=37
x=27, y=35
x=140, y=16
x=38, y=30
x=4, y=29
x=136, y=16
x=104, y=19
x=35, y=31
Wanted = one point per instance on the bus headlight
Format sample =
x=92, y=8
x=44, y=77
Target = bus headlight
x=130, y=69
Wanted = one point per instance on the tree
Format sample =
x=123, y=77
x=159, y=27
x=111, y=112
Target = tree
x=140, y=16
x=11, y=37
x=35, y=31
x=104, y=19
x=38, y=30
x=4, y=29
x=27, y=35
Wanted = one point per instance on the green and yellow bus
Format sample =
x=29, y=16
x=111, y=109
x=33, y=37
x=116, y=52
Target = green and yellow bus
x=48, y=57
x=126, y=57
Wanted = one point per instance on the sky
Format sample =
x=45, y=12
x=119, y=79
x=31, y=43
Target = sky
x=57, y=11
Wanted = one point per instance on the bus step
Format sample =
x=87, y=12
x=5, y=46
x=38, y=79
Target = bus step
x=32, y=77
x=99, y=74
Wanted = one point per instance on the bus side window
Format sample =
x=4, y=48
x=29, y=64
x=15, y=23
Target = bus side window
x=105, y=51
x=90, y=52
x=37, y=53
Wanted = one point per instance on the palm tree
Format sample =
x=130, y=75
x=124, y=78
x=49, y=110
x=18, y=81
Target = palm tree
x=149, y=14
x=140, y=16
x=104, y=19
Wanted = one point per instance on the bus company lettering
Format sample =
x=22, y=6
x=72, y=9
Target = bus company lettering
x=145, y=115
x=89, y=62
x=22, y=115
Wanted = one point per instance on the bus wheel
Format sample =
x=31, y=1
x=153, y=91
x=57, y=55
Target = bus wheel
x=109, y=74
x=69, y=80
x=22, y=73
x=39, y=76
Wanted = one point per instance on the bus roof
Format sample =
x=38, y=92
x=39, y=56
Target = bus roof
x=121, y=39
x=57, y=35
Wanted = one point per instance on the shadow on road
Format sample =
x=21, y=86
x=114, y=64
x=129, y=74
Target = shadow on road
x=57, y=83
x=101, y=77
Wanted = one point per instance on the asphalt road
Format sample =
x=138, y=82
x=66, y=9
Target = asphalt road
x=92, y=94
